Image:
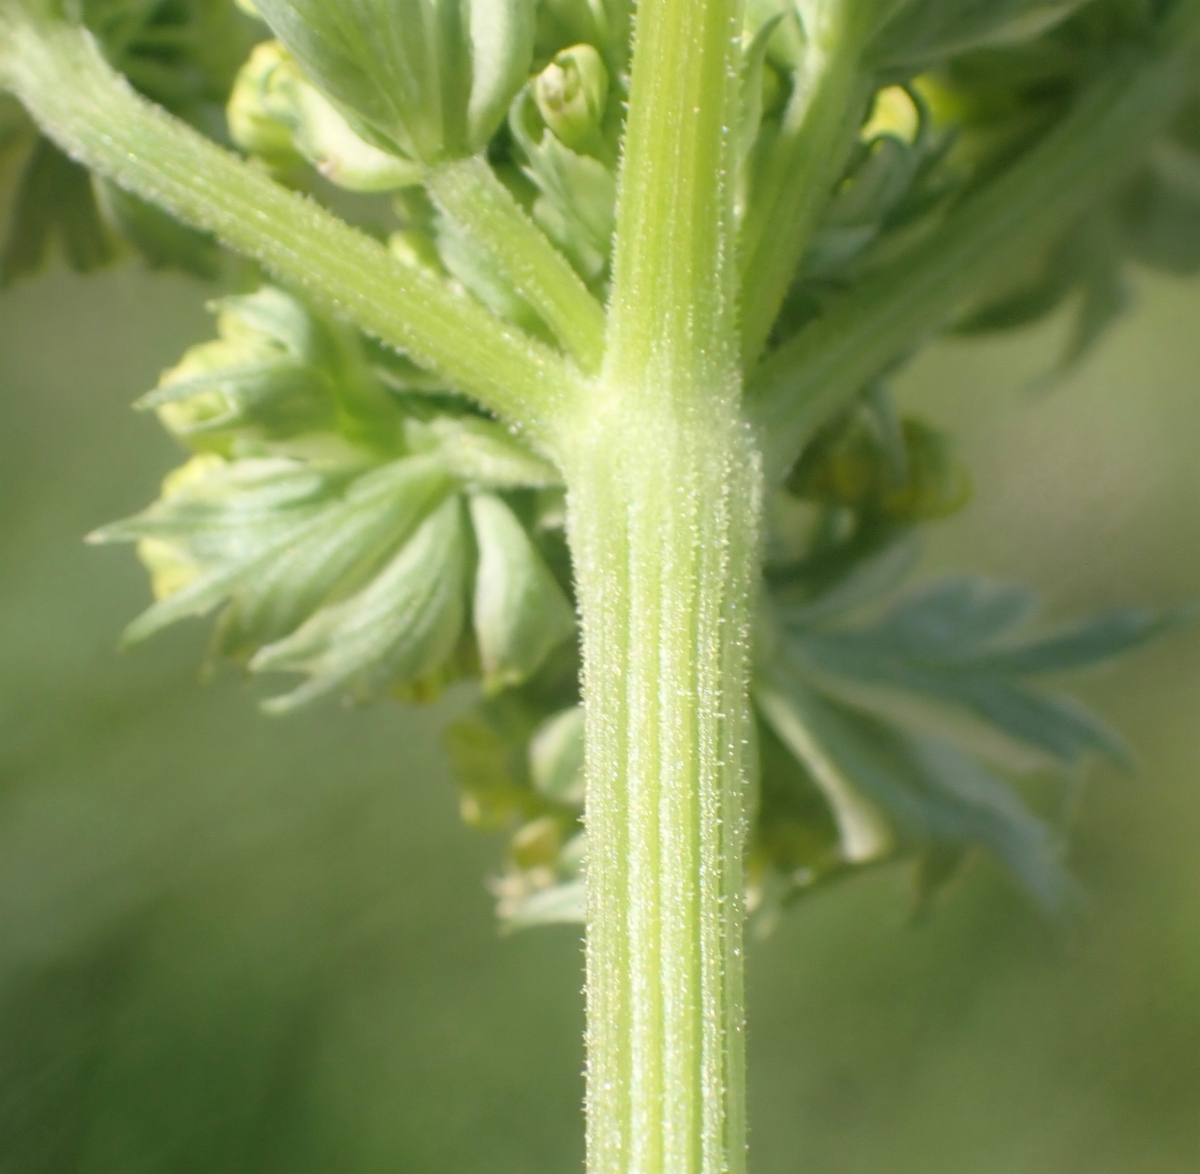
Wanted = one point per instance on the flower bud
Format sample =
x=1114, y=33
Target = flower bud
x=252, y=127
x=536, y=845
x=894, y=113
x=571, y=93
x=276, y=114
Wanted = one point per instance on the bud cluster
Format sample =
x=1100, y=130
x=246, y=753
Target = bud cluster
x=349, y=532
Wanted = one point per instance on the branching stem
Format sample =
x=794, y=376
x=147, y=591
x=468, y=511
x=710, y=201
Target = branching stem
x=664, y=502
x=799, y=387
x=468, y=191
x=796, y=176
x=93, y=114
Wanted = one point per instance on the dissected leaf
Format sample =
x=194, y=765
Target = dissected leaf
x=400, y=627
x=954, y=642
x=53, y=209
x=921, y=31
x=879, y=778
x=863, y=831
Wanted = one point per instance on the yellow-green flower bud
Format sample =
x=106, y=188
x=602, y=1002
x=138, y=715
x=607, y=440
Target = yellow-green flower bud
x=571, y=94
x=894, y=113
x=170, y=566
x=556, y=757
x=254, y=128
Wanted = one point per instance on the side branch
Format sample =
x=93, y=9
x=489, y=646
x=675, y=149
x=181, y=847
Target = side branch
x=95, y=116
x=798, y=387
x=797, y=175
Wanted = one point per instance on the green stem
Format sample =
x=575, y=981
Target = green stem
x=663, y=489
x=811, y=377
x=468, y=191
x=797, y=175
x=673, y=310
x=663, y=521
x=92, y=113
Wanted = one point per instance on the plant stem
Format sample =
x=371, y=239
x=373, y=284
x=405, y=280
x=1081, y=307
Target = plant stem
x=468, y=191
x=797, y=173
x=798, y=387
x=92, y=113
x=664, y=517
x=663, y=489
x=673, y=310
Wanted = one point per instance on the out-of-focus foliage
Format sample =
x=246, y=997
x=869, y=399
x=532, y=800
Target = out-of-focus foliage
x=182, y=54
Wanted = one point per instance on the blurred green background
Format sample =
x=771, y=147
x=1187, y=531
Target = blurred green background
x=229, y=943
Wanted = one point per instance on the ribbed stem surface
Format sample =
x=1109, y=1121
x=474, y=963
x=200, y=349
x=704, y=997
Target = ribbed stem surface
x=664, y=516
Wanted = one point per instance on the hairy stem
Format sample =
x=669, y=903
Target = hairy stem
x=664, y=515
x=673, y=311
x=798, y=387
x=468, y=191
x=663, y=485
x=57, y=71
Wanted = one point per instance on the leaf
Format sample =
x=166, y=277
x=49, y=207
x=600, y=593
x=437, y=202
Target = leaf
x=501, y=33
x=488, y=751
x=578, y=204
x=754, y=60
x=1088, y=642
x=934, y=795
x=1105, y=297
x=481, y=452
x=53, y=208
x=225, y=507
x=400, y=627
x=467, y=260
x=161, y=240
x=1002, y=822
x=1159, y=211
x=795, y=830
x=952, y=618
x=558, y=905
x=953, y=641
x=603, y=23
x=278, y=317
x=556, y=757
x=1055, y=725
x=520, y=612
x=863, y=832
x=866, y=580
x=276, y=114
x=430, y=78
x=253, y=380
x=338, y=552
x=924, y=31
